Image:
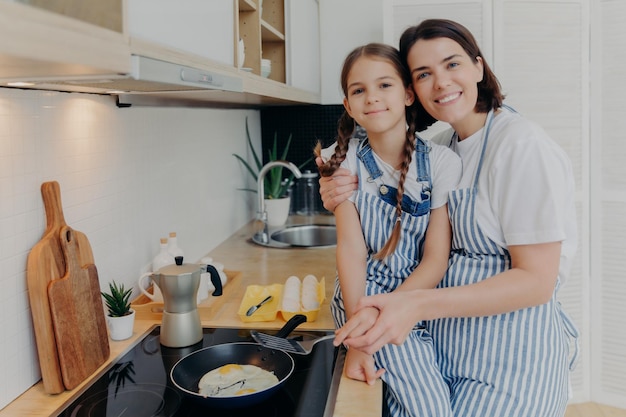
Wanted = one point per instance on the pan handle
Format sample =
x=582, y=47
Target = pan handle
x=289, y=327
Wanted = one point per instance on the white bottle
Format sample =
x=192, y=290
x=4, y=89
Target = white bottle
x=163, y=258
x=172, y=246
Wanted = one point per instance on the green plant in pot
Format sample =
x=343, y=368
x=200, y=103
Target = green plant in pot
x=117, y=300
x=275, y=186
x=121, y=316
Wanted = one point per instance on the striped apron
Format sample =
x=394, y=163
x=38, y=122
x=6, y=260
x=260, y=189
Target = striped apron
x=507, y=365
x=413, y=382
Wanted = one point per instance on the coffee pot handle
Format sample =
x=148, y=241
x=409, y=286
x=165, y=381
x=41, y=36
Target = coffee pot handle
x=215, y=280
x=142, y=286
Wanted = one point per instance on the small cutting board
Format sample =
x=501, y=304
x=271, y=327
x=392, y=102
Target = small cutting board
x=78, y=315
x=46, y=263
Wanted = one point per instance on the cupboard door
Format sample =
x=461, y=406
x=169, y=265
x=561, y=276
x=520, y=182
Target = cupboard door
x=608, y=197
x=541, y=51
x=105, y=14
x=200, y=27
x=473, y=14
x=303, y=44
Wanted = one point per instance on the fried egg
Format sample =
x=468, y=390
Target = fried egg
x=233, y=380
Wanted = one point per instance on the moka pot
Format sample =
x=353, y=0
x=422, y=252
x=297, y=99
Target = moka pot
x=180, y=325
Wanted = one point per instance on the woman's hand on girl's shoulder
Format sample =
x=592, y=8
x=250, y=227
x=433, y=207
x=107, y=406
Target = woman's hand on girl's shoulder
x=337, y=188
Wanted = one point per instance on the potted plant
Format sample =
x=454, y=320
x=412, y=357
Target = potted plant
x=120, y=317
x=275, y=186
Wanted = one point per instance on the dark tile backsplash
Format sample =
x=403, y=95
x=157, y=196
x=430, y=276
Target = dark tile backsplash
x=306, y=125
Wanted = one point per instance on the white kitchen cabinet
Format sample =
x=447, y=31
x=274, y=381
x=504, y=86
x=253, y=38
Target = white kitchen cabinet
x=608, y=198
x=473, y=14
x=54, y=41
x=543, y=67
x=105, y=14
x=303, y=44
x=344, y=25
x=41, y=45
x=200, y=27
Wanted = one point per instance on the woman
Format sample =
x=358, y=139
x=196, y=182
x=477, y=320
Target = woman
x=501, y=339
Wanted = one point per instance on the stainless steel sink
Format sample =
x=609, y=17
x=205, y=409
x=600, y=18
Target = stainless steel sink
x=302, y=236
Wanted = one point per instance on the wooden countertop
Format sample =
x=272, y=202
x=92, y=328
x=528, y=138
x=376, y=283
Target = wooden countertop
x=257, y=265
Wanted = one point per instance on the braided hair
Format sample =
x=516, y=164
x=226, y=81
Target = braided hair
x=346, y=126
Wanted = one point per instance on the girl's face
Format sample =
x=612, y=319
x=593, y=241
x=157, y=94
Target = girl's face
x=445, y=81
x=376, y=96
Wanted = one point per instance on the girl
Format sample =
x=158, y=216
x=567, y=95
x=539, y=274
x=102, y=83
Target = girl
x=394, y=233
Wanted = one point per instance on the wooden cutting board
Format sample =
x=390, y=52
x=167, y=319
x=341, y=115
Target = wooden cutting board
x=46, y=263
x=78, y=315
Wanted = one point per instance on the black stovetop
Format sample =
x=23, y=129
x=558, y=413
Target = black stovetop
x=138, y=384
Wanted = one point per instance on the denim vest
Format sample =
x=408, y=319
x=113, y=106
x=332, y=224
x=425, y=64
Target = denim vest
x=422, y=162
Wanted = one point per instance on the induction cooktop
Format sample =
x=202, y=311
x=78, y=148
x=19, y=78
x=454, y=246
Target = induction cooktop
x=139, y=385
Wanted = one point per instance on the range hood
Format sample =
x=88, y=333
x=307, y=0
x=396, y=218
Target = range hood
x=147, y=75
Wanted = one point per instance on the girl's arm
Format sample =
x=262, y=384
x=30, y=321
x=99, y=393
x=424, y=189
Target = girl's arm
x=352, y=270
x=351, y=255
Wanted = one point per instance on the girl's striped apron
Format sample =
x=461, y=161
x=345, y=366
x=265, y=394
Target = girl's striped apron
x=507, y=365
x=414, y=386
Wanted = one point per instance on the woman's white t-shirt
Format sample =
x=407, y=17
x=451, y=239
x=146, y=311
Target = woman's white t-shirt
x=526, y=186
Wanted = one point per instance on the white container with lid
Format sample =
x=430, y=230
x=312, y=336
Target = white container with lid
x=172, y=246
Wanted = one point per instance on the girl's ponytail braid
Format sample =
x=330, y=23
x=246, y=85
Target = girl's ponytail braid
x=344, y=130
x=409, y=149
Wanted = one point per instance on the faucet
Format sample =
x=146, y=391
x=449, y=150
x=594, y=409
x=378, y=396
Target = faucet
x=263, y=235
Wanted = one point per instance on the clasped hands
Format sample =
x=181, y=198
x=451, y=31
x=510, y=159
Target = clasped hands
x=378, y=320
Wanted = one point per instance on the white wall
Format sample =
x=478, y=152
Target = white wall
x=127, y=176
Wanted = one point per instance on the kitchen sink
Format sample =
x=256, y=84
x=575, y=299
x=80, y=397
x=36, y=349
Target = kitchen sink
x=302, y=236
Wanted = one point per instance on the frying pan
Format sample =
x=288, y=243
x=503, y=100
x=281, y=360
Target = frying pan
x=187, y=372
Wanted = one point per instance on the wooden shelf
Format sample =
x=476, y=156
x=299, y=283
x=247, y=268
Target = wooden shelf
x=247, y=5
x=270, y=34
x=263, y=33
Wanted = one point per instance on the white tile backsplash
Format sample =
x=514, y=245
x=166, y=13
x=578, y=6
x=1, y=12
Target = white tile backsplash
x=128, y=176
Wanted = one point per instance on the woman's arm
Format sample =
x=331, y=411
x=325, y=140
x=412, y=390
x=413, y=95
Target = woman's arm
x=529, y=282
x=338, y=188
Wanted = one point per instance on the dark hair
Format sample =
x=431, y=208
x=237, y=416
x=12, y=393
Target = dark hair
x=489, y=92
x=346, y=126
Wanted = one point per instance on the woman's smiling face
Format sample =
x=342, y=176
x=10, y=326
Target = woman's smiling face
x=445, y=81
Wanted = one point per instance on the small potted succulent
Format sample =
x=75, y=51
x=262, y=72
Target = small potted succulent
x=120, y=317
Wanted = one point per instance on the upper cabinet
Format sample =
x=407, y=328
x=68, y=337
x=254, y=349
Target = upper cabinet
x=157, y=52
x=56, y=39
x=303, y=44
x=197, y=27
